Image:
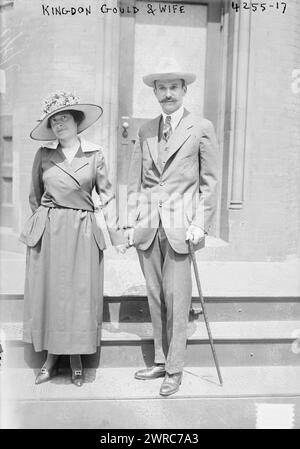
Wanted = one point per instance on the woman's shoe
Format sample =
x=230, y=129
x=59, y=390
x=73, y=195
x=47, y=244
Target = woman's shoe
x=45, y=374
x=77, y=377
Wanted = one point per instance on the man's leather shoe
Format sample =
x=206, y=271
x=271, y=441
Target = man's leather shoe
x=170, y=384
x=151, y=373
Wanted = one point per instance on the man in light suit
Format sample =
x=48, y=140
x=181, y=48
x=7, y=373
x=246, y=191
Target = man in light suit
x=172, y=199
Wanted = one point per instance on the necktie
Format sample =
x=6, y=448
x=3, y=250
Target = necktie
x=167, y=129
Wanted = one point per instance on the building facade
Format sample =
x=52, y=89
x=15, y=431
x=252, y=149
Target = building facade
x=247, y=63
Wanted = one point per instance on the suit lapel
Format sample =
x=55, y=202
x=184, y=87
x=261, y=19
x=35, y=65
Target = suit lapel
x=152, y=140
x=180, y=134
x=58, y=158
x=79, y=161
x=177, y=139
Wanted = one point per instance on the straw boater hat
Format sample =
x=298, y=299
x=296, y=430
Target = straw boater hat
x=59, y=102
x=168, y=69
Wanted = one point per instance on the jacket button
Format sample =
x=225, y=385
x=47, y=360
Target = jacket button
x=160, y=203
x=162, y=183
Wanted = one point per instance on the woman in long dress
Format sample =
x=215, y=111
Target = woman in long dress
x=63, y=299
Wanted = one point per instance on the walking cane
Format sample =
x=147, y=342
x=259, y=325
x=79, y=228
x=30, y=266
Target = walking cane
x=192, y=254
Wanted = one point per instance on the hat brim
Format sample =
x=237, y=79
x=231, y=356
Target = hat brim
x=92, y=113
x=187, y=77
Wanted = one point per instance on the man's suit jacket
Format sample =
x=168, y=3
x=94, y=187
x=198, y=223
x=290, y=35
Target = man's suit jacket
x=181, y=193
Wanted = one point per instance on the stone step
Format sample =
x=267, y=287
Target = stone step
x=136, y=309
x=237, y=343
x=246, y=331
x=123, y=276
x=251, y=397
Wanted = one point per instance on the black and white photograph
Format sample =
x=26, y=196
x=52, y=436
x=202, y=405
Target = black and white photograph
x=149, y=217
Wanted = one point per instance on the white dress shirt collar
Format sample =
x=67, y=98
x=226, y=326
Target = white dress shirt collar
x=175, y=117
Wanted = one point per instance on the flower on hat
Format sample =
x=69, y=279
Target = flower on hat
x=58, y=100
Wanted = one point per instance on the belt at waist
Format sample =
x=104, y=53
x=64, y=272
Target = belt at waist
x=58, y=206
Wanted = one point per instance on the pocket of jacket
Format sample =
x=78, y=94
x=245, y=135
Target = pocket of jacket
x=34, y=227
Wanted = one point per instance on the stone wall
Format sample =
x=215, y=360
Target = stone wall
x=267, y=225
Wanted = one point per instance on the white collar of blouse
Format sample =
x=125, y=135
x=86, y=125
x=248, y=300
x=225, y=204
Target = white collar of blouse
x=86, y=145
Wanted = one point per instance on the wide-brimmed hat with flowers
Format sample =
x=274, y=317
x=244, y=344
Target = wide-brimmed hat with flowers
x=59, y=102
x=169, y=69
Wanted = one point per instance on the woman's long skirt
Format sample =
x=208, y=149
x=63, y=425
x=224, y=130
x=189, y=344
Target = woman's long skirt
x=63, y=300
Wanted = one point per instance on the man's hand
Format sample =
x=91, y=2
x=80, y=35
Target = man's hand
x=194, y=234
x=129, y=236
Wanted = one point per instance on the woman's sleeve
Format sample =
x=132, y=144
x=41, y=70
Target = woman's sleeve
x=108, y=201
x=37, y=186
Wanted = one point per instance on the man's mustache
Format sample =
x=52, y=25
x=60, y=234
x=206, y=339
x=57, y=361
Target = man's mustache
x=168, y=101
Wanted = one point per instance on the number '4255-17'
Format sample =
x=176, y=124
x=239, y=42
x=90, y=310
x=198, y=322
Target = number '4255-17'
x=258, y=6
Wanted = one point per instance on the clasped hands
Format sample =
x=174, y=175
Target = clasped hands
x=193, y=233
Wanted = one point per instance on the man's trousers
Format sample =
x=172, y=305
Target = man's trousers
x=169, y=289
